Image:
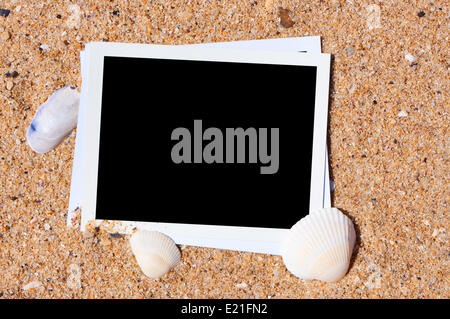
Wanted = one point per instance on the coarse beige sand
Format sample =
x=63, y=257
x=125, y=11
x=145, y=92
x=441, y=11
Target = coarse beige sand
x=388, y=142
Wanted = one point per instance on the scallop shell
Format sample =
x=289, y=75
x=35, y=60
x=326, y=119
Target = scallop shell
x=320, y=246
x=155, y=252
x=54, y=120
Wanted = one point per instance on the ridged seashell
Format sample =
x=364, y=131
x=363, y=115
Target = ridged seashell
x=320, y=246
x=54, y=120
x=155, y=253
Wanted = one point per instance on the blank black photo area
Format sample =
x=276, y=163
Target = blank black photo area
x=199, y=142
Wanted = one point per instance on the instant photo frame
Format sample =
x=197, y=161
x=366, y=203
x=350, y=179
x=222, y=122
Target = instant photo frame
x=254, y=239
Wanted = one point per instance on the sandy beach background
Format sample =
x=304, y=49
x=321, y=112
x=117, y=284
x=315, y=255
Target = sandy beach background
x=388, y=142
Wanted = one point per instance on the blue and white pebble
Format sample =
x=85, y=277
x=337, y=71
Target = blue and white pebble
x=54, y=120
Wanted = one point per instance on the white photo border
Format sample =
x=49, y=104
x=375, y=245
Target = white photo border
x=251, y=239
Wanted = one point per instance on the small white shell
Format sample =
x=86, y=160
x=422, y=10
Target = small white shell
x=54, y=120
x=320, y=246
x=155, y=253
